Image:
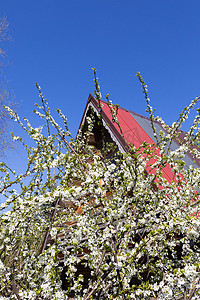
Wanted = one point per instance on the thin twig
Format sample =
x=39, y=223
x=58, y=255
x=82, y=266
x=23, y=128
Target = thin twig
x=72, y=149
x=100, y=262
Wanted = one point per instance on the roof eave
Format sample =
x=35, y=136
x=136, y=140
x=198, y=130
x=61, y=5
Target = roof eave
x=114, y=132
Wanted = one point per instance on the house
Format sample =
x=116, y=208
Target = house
x=121, y=130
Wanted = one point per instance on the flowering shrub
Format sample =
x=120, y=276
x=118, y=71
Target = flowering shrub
x=80, y=226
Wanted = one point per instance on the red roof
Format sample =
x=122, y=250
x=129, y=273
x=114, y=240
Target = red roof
x=136, y=129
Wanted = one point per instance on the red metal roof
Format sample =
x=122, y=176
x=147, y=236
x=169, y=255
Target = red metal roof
x=136, y=129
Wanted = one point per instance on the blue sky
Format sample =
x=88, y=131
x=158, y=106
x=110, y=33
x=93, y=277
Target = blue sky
x=56, y=43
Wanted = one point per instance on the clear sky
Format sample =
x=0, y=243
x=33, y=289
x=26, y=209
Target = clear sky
x=57, y=42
